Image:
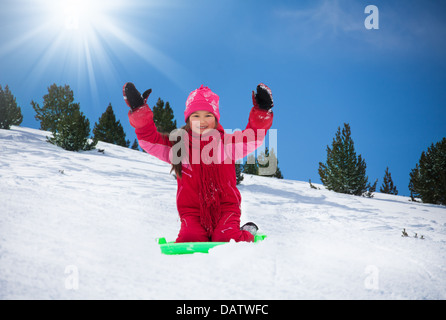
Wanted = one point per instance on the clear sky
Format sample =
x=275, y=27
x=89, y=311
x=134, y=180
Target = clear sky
x=323, y=65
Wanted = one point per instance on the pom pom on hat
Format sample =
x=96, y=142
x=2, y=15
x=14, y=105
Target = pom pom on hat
x=202, y=99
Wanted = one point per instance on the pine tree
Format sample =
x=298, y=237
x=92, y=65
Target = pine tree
x=10, y=112
x=269, y=164
x=251, y=166
x=135, y=145
x=428, y=179
x=371, y=189
x=388, y=186
x=344, y=172
x=163, y=117
x=238, y=172
x=72, y=132
x=109, y=130
x=57, y=103
x=69, y=126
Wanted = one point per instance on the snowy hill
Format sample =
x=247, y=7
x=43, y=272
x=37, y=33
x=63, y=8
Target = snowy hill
x=84, y=226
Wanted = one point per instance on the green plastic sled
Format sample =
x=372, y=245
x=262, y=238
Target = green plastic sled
x=171, y=248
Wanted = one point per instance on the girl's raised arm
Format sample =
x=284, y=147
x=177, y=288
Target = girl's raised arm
x=241, y=143
x=141, y=118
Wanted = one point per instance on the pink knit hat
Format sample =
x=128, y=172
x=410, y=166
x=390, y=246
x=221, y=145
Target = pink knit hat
x=202, y=99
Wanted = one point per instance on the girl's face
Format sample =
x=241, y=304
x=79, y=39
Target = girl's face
x=202, y=122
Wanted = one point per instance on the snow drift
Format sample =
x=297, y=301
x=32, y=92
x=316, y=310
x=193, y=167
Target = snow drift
x=84, y=226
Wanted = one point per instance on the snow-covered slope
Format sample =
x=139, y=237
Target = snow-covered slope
x=84, y=225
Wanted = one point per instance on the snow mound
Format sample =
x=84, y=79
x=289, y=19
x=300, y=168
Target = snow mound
x=83, y=225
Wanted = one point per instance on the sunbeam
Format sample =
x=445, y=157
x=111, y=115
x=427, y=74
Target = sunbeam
x=86, y=40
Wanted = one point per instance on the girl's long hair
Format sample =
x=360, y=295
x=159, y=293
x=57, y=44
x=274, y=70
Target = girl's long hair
x=177, y=167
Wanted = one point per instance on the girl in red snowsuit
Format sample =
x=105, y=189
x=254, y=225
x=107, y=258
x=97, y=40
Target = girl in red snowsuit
x=203, y=157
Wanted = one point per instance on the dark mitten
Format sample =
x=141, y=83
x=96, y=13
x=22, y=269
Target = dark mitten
x=132, y=96
x=263, y=99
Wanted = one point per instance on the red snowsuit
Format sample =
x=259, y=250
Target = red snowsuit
x=208, y=200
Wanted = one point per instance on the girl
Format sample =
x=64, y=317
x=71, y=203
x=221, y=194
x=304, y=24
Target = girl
x=203, y=157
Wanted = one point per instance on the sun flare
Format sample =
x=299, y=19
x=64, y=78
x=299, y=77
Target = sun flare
x=78, y=15
x=87, y=40
x=76, y=12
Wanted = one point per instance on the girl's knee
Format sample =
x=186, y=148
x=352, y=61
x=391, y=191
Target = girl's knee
x=192, y=237
x=231, y=233
x=192, y=231
x=223, y=235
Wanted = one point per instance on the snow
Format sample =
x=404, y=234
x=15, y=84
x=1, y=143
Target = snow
x=83, y=225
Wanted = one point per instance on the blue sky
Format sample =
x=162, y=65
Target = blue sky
x=323, y=66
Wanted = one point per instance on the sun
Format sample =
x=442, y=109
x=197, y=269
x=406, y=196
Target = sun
x=77, y=13
x=87, y=42
x=78, y=32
